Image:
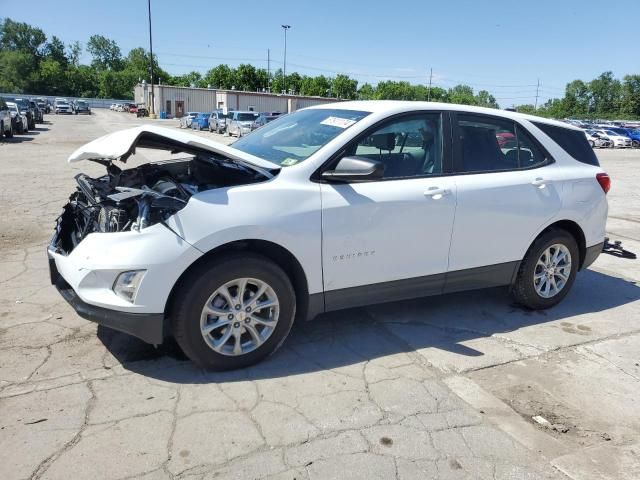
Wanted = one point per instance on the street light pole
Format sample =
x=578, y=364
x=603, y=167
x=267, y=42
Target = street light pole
x=152, y=113
x=284, y=71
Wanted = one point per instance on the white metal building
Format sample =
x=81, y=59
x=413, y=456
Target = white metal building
x=176, y=101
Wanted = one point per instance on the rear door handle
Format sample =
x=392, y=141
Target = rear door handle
x=436, y=192
x=540, y=182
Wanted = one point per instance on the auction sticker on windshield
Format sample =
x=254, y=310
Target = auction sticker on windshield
x=338, y=122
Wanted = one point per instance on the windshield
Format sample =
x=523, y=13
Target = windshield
x=246, y=117
x=81, y=103
x=293, y=138
x=609, y=132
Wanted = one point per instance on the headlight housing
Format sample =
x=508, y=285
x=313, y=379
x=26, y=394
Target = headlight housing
x=127, y=284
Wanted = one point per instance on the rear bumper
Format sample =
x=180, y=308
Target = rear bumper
x=591, y=255
x=148, y=327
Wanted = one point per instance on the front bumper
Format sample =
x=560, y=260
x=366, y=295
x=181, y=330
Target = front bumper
x=85, y=275
x=148, y=327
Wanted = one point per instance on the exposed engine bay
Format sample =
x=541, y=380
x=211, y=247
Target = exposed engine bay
x=133, y=199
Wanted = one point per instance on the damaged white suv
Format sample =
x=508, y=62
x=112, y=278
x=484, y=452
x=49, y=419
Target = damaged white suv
x=326, y=208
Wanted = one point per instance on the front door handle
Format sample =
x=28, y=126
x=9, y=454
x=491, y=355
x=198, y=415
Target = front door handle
x=540, y=182
x=436, y=192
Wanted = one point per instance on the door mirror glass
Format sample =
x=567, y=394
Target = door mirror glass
x=355, y=169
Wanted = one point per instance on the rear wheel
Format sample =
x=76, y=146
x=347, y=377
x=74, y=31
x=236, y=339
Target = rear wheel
x=9, y=133
x=547, y=271
x=234, y=311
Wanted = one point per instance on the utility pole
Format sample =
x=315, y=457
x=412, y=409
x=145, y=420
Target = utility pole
x=152, y=113
x=537, y=91
x=268, y=70
x=284, y=71
x=429, y=91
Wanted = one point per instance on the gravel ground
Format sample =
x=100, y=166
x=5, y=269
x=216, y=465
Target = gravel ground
x=434, y=388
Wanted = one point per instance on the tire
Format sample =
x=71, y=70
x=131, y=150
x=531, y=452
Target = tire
x=635, y=144
x=201, y=287
x=9, y=133
x=1, y=129
x=524, y=288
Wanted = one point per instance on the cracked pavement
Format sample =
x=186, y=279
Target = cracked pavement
x=440, y=387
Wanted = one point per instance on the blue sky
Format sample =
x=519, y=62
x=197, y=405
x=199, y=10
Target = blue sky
x=500, y=46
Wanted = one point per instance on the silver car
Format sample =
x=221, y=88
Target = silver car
x=217, y=121
x=239, y=123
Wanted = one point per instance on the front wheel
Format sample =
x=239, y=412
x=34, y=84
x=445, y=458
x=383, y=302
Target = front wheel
x=635, y=144
x=9, y=133
x=547, y=271
x=232, y=312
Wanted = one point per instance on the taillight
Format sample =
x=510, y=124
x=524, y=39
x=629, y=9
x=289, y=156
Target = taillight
x=605, y=181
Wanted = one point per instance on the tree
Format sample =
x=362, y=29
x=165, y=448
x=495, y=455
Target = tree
x=220, y=77
x=344, y=87
x=105, y=52
x=15, y=70
x=190, y=79
x=631, y=96
x=366, y=92
x=462, y=94
x=17, y=36
x=54, y=50
x=606, y=92
x=73, y=53
x=530, y=109
x=485, y=99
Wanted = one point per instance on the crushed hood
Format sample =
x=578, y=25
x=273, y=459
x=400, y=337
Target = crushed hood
x=122, y=144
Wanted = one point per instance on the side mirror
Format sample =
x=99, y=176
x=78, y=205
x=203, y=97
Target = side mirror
x=355, y=169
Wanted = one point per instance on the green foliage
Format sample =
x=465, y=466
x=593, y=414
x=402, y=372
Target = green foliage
x=29, y=63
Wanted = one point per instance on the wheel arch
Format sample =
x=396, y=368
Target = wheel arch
x=574, y=230
x=276, y=253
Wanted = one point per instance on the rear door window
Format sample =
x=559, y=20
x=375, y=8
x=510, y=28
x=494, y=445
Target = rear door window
x=489, y=144
x=571, y=141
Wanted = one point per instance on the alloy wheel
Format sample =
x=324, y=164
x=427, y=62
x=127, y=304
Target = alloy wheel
x=552, y=270
x=239, y=316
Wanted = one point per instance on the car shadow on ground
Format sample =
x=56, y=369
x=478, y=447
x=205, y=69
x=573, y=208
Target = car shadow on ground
x=24, y=137
x=344, y=338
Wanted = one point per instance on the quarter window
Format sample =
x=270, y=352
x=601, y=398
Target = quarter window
x=408, y=147
x=490, y=144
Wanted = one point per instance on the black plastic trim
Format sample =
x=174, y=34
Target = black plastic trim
x=481, y=277
x=148, y=327
x=457, y=281
x=384, y=292
x=591, y=254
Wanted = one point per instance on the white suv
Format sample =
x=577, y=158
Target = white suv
x=326, y=208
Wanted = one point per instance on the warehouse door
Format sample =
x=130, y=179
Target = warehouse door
x=168, y=107
x=179, y=108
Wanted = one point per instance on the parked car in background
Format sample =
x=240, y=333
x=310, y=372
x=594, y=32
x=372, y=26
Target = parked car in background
x=595, y=140
x=321, y=210
x=120, y=107
x=217, y=121
x=200, y=122
x=82, y=106
x=634, y=135
x=141, y=110
x=112, y=106
x=43, y=104
x=133, y=108
x=617, y=140
x=6, y=128
x=25, y=107
x=62, y=105
x=263, y=118
x=185, y=121
x=239, y=122
x=38, y=114
x=18, y=119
